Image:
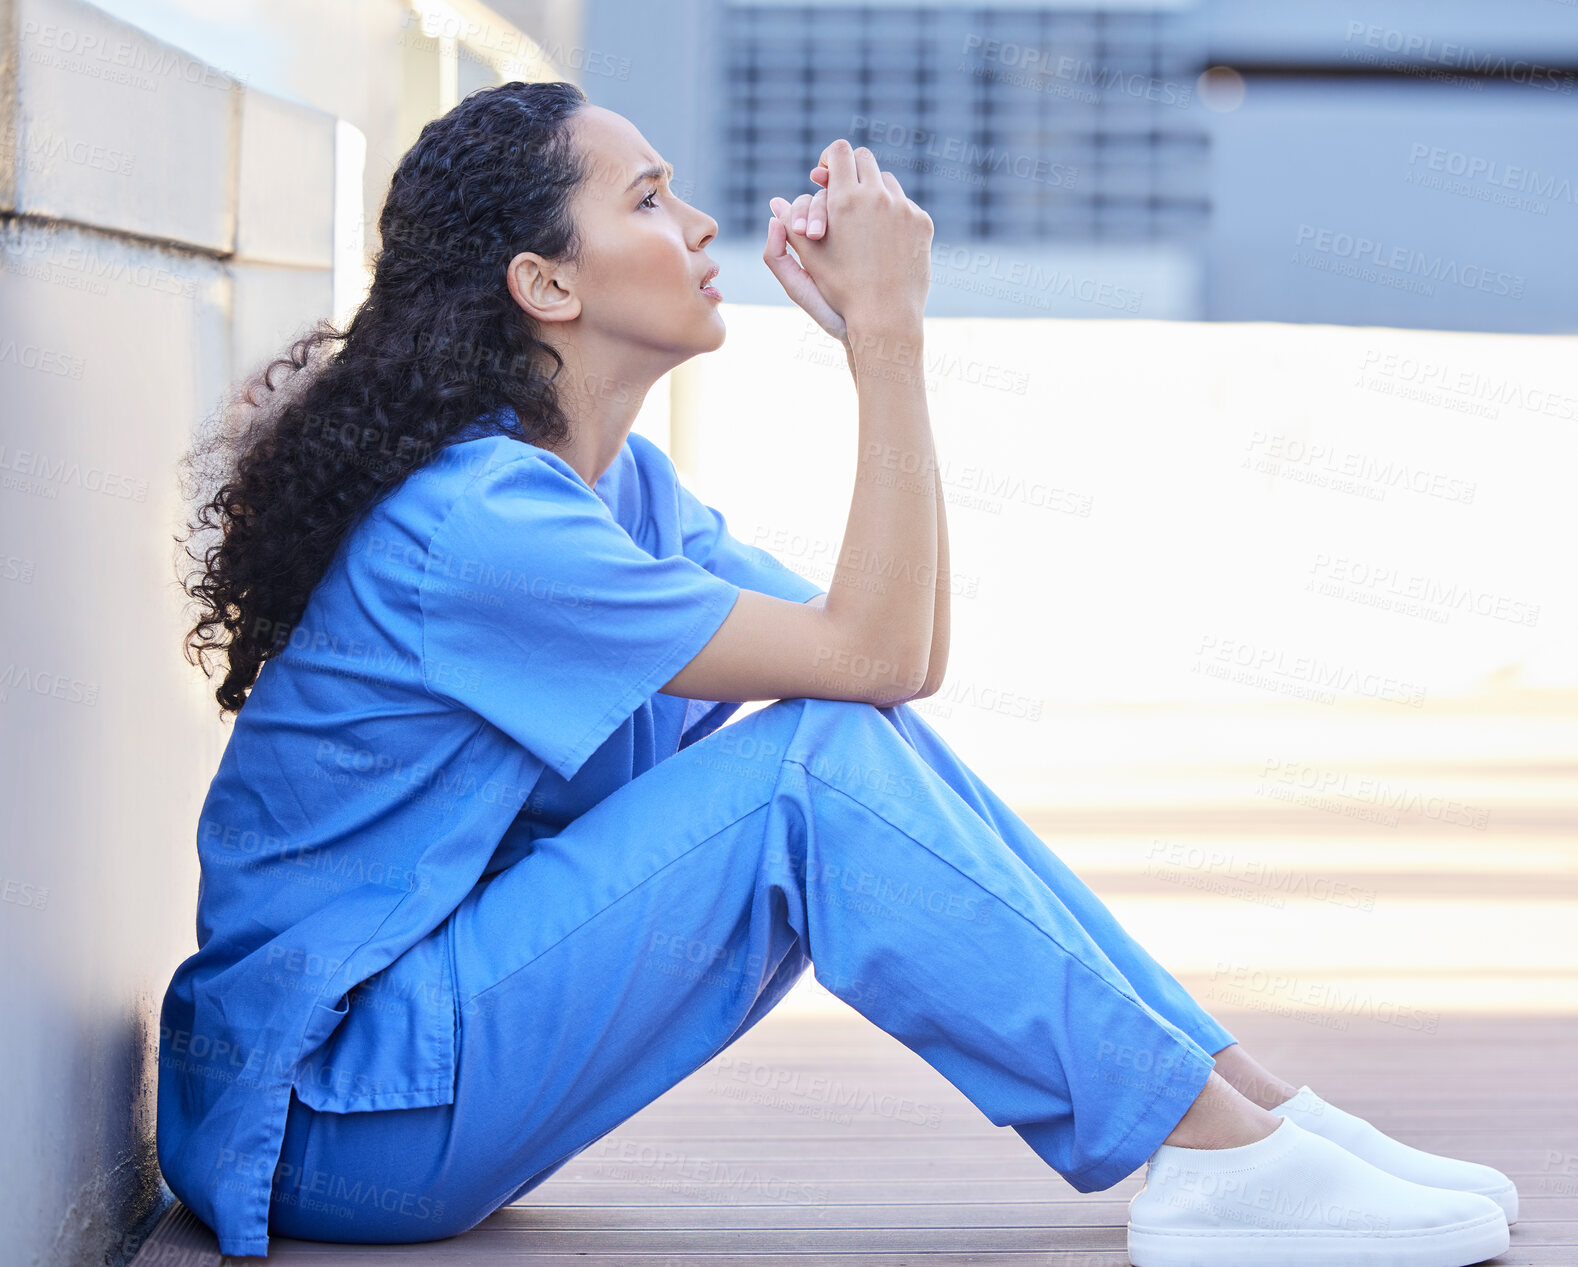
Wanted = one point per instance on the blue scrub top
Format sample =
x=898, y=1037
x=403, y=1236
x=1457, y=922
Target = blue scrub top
x=478, y=667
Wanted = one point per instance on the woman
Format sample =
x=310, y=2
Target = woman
x=479, y=880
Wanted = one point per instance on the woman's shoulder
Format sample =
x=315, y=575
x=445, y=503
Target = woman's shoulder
x=483, y=474
x=475, y=463
x=646, y=455
x=481, y=458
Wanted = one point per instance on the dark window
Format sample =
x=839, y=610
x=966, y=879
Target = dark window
x=1005, y=124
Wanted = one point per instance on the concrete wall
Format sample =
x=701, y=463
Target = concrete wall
x=385, y=67
x=163, y=225
x=183, y=189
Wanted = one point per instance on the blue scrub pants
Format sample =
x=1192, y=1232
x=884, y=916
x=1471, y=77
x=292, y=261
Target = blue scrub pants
x=631, y=948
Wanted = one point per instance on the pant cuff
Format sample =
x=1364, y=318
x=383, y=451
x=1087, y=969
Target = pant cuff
x=1155, y=1123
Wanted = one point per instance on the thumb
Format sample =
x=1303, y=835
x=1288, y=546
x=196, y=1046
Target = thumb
x=783, y=265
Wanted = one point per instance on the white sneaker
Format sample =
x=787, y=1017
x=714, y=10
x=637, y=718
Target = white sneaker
x=1363, y=1140
x=1294, y=1199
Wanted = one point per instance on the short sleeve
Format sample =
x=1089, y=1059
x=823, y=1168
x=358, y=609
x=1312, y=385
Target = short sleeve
x=708, y=541
x=541, y=614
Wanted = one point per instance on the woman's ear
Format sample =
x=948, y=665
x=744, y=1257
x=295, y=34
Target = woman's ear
x=542, y=288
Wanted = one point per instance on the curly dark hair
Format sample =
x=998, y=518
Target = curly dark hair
x=283, y=471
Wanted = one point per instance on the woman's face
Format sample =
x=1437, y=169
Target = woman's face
x=637, y=286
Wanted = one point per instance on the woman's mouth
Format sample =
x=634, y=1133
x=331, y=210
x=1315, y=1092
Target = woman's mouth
x=711, y=291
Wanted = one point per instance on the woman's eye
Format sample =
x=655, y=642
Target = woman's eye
x=648, y=199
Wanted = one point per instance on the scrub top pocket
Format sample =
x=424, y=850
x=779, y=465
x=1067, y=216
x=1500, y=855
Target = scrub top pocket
x=395, y=1047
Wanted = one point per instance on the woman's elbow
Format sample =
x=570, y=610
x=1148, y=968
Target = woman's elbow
x=931, y=681
x=898, y=688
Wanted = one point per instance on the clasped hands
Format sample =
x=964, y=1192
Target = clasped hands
x=805, y=224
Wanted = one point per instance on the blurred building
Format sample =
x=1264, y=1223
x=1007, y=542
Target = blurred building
x=1378, y=164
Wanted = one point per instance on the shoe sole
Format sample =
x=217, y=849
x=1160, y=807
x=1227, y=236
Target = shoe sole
x=1458, y=1245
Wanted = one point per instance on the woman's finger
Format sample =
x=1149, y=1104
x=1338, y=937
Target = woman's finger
x=788, y=213
x=839, y=159
x=796, y=281
x=800, y=213
x=816, y=218
x=785, y=267
x=776, y=254
x=894, y=188
x=897, y=190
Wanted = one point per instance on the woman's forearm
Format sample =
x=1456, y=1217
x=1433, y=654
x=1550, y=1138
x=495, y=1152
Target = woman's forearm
x=892, y=515
x=937, y=656
x=937, y=662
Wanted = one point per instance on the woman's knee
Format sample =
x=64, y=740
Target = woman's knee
x=766, y=731
x=797, y=705
x=755, y=746
x=836, y=712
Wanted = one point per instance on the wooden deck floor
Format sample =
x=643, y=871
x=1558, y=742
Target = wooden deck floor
x=753, y=1159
